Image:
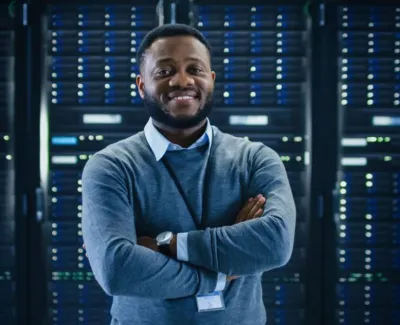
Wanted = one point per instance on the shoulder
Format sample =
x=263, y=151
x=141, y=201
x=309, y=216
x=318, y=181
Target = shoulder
x=243, y=147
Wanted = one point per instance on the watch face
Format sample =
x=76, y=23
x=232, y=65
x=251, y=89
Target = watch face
x=164, y=237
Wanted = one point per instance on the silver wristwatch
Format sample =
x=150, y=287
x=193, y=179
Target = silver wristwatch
x=164, y=238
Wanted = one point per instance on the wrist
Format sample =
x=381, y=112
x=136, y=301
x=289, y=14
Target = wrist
x=173, y=246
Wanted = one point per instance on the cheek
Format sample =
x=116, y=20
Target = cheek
x=161, y=90
x=206, y=86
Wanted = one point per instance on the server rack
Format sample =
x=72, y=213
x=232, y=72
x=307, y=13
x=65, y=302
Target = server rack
x=8, y=297
x=90, y=100
x=367, y=210
x=261, y=93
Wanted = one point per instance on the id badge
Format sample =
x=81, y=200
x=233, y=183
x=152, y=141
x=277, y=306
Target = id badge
x=210, y=302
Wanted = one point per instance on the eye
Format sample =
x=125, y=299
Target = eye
x=196, y=70
x=163, y=72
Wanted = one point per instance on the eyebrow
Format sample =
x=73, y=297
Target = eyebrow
x=165, y=60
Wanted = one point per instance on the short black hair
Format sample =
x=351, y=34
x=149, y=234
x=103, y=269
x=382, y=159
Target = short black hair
x=168, y=30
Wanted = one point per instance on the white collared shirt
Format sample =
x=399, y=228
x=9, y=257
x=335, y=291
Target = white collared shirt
x=160, y=145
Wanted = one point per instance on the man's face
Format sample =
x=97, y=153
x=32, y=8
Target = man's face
x=176, y=82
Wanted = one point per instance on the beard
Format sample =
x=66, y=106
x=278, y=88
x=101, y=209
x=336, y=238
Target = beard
x=158, y=112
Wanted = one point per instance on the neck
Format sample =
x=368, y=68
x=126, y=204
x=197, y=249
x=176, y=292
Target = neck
x=183, y=137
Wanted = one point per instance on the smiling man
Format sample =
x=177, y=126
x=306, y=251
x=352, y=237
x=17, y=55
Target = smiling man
x=181, y=220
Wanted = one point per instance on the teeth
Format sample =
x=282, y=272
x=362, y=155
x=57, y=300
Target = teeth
x=183, y=97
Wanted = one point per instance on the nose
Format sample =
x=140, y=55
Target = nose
x=181, y=79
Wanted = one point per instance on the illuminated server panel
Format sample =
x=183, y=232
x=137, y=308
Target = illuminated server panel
x=368, y=210
x=91, y=101
x=7, y=246
x=259, y=60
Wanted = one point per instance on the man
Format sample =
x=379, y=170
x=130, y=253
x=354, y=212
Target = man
x=172, y=221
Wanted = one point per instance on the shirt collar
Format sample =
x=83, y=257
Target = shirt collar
x=160, y=145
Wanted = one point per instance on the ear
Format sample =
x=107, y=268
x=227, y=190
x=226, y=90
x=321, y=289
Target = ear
x=213, y=75
x=140, y=85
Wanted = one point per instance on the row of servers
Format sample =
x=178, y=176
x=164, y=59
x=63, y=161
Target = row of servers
x=259, y=57
x=368, y=187
x=92, y=101
x=7, y=243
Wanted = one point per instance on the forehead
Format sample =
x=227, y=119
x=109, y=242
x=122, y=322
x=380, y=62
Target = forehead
x=178, y=48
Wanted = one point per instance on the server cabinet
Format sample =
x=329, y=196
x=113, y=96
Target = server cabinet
x=367, y=213
x=90, y=100
x=7, y=171
x=261, y=93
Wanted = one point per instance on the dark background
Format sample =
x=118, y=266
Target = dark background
x=319, y=82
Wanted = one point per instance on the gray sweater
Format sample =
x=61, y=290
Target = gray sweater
x=127, y=194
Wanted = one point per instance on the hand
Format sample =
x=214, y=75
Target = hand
x=149, y=243
x=252, y=209
x=231, y=277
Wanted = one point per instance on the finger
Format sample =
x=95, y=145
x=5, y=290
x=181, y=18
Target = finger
x=246, y=209
x=258, y=213
x=260, y=204
x=250, y=204
x=232, y=277
x=241, y=215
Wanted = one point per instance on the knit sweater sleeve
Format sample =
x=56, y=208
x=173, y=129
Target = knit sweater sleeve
x=120, y=266
x=256, y=245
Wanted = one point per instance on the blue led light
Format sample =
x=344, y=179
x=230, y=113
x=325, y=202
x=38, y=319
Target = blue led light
x=136, y=100
x=228, y=68
x=83, y=49
x=85, y=100
x=64, y=141
x=230, y=76
x=256, y=76
x=256, y=101
x=229, y=42
x=256, y=86
x=230, y=86
x=110, y=34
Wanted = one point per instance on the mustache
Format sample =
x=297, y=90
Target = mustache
x=177, y=91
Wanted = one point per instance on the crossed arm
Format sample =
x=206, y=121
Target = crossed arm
x=122, y=267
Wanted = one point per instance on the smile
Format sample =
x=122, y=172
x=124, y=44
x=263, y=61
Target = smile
x=183, y=98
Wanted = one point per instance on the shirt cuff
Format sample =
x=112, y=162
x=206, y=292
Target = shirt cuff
x=221, y=282
x=182, y=247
